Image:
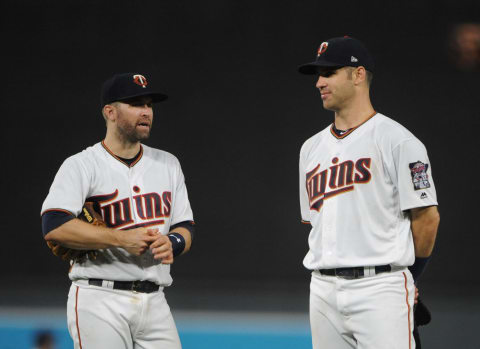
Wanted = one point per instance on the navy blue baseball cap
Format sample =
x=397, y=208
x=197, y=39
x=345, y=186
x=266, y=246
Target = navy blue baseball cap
x=340, y=52
x=125, y=86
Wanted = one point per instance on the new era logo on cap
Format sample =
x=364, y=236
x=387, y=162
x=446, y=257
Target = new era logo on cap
x=353, y=59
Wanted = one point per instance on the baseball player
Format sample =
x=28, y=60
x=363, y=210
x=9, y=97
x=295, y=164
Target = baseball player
x=366, y=188
x=116, y=299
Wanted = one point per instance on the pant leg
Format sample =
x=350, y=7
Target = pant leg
x=326, y=321
x=96, y=319
x=156, y=329
x=380, y=311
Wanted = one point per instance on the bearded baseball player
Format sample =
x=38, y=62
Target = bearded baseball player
x=366, y=189
x=116, y=299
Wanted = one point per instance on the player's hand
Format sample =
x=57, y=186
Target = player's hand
x=162, y=249
x=136, y=241
x=416, y=295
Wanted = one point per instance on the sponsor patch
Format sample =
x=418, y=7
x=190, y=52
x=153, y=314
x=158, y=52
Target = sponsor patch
x=418, y=170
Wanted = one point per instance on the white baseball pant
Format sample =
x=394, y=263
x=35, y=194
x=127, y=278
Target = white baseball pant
x=373, y=312
x=104, y=318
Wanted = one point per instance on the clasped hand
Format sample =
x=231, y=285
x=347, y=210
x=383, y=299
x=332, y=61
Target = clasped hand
x=137, y=241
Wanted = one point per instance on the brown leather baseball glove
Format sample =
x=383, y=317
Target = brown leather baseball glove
x=88, y=215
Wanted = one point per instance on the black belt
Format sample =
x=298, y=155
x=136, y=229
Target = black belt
x=137, y=286
x=355, y=272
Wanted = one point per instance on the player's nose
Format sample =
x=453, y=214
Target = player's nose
x=321, y=82
x=147, y=110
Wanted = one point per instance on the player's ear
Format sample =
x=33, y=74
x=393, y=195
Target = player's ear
x=109, y=112
x=359, y=75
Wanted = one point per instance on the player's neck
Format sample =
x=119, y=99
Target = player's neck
x=121, y=148
x=353, y=115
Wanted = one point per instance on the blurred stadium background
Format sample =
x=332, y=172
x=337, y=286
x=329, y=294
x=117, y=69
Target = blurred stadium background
x=237, y=115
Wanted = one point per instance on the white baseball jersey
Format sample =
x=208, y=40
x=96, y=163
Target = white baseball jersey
x=150, y=192
x=355, y=189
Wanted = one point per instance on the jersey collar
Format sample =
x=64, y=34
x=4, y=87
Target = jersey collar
x=350, y=130
x=119, y=159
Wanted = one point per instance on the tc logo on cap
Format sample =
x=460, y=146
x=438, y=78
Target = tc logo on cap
x=140, y=80
x=323, y=47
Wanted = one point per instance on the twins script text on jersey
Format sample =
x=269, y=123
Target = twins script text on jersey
x=148, y=207
x=340, y=179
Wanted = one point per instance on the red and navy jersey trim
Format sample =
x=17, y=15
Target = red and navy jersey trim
x=119, y=159
x=57, y=210
x=334, y=134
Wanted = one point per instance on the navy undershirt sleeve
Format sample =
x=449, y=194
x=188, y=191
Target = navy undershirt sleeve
x=54, y=219
x=418, y=267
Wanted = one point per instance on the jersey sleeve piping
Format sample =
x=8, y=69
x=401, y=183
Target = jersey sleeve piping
x=57, y=210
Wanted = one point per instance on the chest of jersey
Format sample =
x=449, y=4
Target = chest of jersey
x=131, y=197
x=338, y=166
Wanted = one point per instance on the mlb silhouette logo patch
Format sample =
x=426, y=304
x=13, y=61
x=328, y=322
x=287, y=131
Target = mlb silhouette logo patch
x=418, y=170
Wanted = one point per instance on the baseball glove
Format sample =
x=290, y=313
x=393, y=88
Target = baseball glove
x=88, y=215
x=422, y=317
x=421, y=314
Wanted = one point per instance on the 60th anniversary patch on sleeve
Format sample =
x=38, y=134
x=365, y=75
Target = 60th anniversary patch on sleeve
x=418, y=170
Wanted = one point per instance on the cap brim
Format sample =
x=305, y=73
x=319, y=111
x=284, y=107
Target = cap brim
x=313, y=67
x=156, y=97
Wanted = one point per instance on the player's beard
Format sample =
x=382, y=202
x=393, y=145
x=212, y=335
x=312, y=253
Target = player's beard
x=129, y=133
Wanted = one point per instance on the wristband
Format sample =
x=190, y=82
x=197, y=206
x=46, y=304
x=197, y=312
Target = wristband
x=178, y=243
x=417, y=268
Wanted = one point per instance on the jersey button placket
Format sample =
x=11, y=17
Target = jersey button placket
x=330, y=214
x=327, y=234
x=133, y=184
x=329, y=225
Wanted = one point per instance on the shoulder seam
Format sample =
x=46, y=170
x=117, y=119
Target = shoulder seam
x=402, y=141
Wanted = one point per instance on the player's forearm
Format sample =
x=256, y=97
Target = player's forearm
x=425, y=223
x=186, y=235
x=83, y=236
